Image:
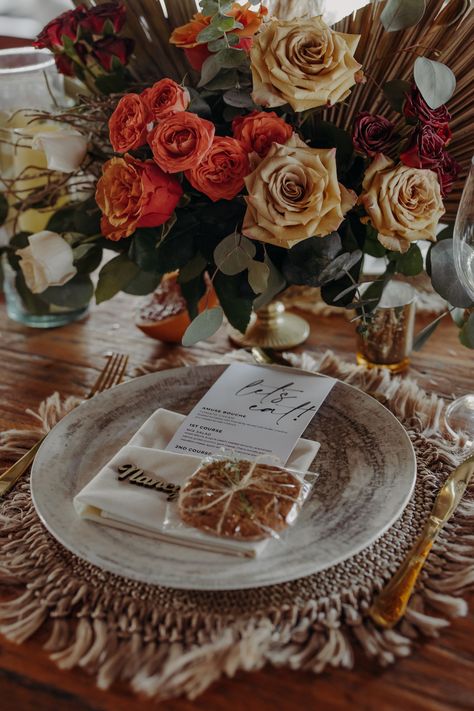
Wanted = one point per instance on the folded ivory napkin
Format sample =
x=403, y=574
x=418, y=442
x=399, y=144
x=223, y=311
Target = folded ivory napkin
x=145, y=502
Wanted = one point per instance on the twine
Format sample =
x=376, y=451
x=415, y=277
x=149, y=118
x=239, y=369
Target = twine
x=165, y=642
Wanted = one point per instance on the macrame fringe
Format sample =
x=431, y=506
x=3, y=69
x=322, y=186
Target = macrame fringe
x=166, y=653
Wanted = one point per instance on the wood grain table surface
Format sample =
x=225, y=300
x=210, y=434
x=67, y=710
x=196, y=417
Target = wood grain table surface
x=437, y=677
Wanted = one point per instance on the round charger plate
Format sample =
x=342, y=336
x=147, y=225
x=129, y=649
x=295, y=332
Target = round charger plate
x=367, y=472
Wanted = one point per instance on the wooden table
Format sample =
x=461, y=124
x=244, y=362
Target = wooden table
x=437, y=677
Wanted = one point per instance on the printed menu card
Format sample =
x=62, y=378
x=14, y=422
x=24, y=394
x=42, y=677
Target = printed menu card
x=252, y=410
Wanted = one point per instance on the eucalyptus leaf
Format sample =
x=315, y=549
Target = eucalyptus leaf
x=234, y=254
x=410, y=263
x=435, y=81
x=74, y=294
x=258, y=276
x=3, y=208
x=425, y=334
x=444, y=276
x=223, y=42
x=395, y=92
x=193, y=291
x=239, y=99
x=231, y=58
x=466, y=335
x=399, y=14
x=303, y=263
x=192, y=269
x=276, y=282
x=339, y=266
x=226, y=79
x=209, y=34
x=115, y=276
x=203, y=326
x=209, y=70
x=198, y=105
x=209, y=7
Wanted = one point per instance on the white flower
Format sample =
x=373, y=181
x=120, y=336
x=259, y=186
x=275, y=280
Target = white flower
x=48, y=261
x=64, y=150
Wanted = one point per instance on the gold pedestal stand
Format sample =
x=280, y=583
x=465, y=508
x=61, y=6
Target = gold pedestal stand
x=272, y=327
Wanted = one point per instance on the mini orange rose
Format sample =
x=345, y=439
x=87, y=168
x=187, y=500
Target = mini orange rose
x=185, y=35
x=128, y=124
x=258, y=130
x=181, y=141
x=164, y=98
x=134, y=194
x=220, y=175
x=250, y=19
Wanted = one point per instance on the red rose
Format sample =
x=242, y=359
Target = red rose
x=164, y=98
x=259, y=130
x=66, y=24
x=220, y=175
x=425, y=149
x=96, y=18
x=132, y=194
x=444, y=132
x=416, y=108
x=128, y=124
x=181, y=141
x=65, y=65
x=448, y=170
x=372, y=133
x=104, y=51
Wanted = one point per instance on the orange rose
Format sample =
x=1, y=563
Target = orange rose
x=220, y=175
x=181, y=141
x=258, y=130
x=185, y=36
x=164, y=98
x=250, y=19
x=127, y=125
x=132, y=194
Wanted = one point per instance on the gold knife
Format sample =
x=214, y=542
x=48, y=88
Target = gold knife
x=390, y=605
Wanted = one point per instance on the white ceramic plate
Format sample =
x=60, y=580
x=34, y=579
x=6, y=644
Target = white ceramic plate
x=367, y=472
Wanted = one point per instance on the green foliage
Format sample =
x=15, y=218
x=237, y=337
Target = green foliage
x=399, y=14
x=3, y=208
x=372, y=246
x=87, y=257
x=193, y=290
x=425, y=334
x=143, y=283
x=75, y=294
x=275, y=284
x=235, y=299
x=395, y=92
x=203, y=326
x=115, y=276
x=82, y=217
x=32, y=302
x=410, y=263
x=178, y=247
x=304, y=263
x=143, y=248
x=435, y=81
x=114, y=83
x=324, y=134
x=258, y=275
x=234, y=254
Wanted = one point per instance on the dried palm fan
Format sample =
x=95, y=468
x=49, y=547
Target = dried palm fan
x=146, y=22
x=446, y=34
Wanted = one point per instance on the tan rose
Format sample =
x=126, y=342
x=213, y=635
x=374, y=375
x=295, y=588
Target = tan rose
x=294, y=194
x=403, y=204
x=303, y=63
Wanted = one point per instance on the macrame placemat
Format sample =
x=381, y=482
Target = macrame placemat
x=167, y=642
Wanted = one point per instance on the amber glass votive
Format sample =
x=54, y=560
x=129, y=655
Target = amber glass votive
x=386, y=340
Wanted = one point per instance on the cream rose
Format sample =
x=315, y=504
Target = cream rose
x=48, y=261
x=294, y=194
x=403, y=204
x=64, y=150
x=303, y=63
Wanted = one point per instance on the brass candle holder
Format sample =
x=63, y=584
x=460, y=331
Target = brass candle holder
x=272, y=327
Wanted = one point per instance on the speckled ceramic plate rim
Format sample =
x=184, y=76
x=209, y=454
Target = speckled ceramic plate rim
x=116, y=567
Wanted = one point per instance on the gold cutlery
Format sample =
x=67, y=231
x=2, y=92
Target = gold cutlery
x=391, y=603
x=111, y=374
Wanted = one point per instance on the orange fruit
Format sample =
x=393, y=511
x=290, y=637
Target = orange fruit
x=164, y=316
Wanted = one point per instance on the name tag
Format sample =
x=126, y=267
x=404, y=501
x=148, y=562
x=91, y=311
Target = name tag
x=133, y=475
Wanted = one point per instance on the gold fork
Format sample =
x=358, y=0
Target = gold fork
x=111, y=374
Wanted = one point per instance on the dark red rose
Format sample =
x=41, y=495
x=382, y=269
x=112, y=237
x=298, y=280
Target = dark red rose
x=445, y=133
x=67, y=24
x=95, y=19
x=372, y=133
x=65, y=65
x=448, y=170
x=425, y=150
x=104, y=50
x=416, y=108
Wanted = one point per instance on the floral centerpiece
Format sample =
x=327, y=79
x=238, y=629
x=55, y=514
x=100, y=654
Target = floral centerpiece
x=238, y=180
